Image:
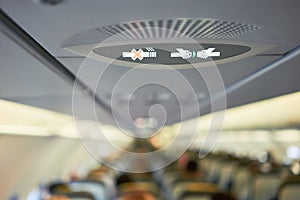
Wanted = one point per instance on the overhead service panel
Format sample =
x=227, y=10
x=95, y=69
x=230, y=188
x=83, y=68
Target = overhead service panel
x=179, y=43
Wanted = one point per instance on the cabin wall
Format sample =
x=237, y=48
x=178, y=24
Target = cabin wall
x=28, y=161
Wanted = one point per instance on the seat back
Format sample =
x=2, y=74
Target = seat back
x=266, y=186
x=140, y=186
x=192, y=189
x=197, y=196
x=79, y=196
x=96, y=188
x=289, y=189
x=213, y=173
x=138, y=195
x=107, y=179
x=226, y=176
x=242, y=183
x=290, y=192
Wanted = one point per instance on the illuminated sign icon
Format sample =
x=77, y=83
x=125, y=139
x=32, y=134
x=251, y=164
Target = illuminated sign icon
x=208, y=53
x=140, y=54
x=186, y=54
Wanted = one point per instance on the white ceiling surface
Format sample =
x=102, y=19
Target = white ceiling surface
x=51, y=25
x=279, y=112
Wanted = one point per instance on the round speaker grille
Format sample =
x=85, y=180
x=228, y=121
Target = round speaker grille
x=193, y=28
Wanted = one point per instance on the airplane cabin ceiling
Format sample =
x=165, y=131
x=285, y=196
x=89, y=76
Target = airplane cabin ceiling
x=25, y=80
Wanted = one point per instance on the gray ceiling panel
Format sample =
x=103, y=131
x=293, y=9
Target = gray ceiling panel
x=91, y=73
x=282, y=80
x=51, y=25
x=23, y=76
x=231, y=72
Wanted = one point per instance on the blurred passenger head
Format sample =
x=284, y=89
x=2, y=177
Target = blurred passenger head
x=123, y=178
x=295, y=168
x=59, y=188
x=183, y=160
x=192, y=166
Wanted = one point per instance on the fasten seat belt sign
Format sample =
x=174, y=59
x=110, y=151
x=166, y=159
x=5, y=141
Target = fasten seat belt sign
x=186, y=54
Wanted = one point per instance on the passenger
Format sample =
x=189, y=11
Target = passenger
x=269, y=165
x=192, y=171
x=74, y=176
x=295, y=169
x=183, y=160
x=59, y=188
x=124, y=178
x=293, y=175
x=192, y=166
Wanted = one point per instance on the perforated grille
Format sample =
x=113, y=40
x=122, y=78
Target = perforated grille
x=193, y=28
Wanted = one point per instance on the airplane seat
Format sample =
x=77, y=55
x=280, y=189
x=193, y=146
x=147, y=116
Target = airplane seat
x=285, y=171
x=94, y=188
x=188, y=189
x=190, y=171
x=138, y=195
x=63, y=191
x=143, y=177
x=206, y=164
x=169, y=177
x=137, y=182
x=182, y=179
x=196, y=196
x=139, y=186
x=209, y=196
x=226, y=175
x=107, y=179
x=242, y=182
x=172, y=167
x=213, y=172
x=290, y=192
x=158, y=176
x=265, y=186
x=289, y=189
x=79, y=196
x=97, y=188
